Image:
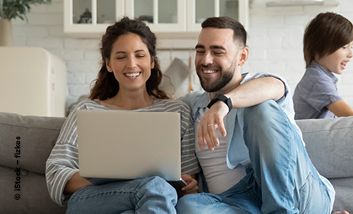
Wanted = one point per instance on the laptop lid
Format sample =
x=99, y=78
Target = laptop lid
x=129, y=144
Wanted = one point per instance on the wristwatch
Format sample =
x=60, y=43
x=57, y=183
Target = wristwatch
x=222, y=98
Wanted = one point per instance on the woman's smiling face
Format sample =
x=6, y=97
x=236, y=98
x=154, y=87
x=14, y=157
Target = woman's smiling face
x=131, y=62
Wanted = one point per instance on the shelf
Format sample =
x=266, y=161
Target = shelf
x=300, y=3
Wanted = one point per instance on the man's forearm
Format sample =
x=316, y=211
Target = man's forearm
x=256, y=91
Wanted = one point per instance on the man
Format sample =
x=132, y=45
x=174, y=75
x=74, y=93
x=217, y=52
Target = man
x=250, y=150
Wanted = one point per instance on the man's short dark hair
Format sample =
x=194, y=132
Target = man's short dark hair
x=225, y=22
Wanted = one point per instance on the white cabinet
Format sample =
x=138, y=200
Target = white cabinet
x=163, y=16
x=91, y=17
x=199, y=10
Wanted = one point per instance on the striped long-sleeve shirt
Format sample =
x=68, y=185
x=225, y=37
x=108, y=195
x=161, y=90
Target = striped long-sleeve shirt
x=62, y=163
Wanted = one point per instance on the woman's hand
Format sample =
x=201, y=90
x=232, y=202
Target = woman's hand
x=76, y=182
x=191, y=184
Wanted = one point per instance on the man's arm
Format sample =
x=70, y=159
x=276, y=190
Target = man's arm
x=256, y=91
x=250, y=93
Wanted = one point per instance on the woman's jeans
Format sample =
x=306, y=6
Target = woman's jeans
x=145, y=195
x=280, y=178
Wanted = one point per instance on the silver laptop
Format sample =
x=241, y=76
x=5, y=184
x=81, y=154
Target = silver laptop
x=129, y=144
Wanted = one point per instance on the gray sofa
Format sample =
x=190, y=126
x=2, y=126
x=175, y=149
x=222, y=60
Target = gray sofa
x=26, y=141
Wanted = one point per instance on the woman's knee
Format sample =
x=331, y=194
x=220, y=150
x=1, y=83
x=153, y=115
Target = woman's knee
x=158, y=186
x=157, y=182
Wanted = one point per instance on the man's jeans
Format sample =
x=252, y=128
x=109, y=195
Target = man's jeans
x=145, y=195
x=280, y=179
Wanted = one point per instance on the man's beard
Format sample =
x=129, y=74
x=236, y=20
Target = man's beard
x=226, y=77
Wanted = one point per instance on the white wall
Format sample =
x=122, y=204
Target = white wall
x=275, y=41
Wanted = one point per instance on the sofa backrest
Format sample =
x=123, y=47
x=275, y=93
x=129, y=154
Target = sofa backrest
x=329, y=143
x=26, y=142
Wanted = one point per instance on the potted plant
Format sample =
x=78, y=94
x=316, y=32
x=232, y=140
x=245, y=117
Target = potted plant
x=12, y=9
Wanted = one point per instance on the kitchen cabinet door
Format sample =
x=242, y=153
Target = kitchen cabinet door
x=161, y=15
x=91, y=16
x=199, y=10
x=173, y=17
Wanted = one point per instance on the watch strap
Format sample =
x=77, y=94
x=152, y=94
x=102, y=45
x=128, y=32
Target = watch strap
x=222, y=98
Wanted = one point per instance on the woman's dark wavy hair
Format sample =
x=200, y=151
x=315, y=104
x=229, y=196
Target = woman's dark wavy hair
x=326, y=33
x=106, y=86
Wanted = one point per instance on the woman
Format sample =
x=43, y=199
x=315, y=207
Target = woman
x=128, y=80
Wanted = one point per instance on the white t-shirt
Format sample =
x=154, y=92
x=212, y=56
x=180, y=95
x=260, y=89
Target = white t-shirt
x=218, y=176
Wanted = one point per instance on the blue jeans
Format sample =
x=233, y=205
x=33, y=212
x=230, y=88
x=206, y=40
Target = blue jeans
x=280, y=178
x=145, y=195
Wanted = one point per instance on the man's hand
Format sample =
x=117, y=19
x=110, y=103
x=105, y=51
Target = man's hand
x=211, y=123
x=191, y=184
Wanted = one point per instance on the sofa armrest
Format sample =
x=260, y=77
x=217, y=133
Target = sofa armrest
x=26, y=141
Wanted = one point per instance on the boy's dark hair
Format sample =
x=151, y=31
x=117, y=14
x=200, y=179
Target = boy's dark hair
x=225, y=22
x=326, y=33
x=106, y=86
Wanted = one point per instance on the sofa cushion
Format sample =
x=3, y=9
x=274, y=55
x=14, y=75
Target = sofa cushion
x=344, y=193
x=25, y=192
x=26, y=141
x=329, y=143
